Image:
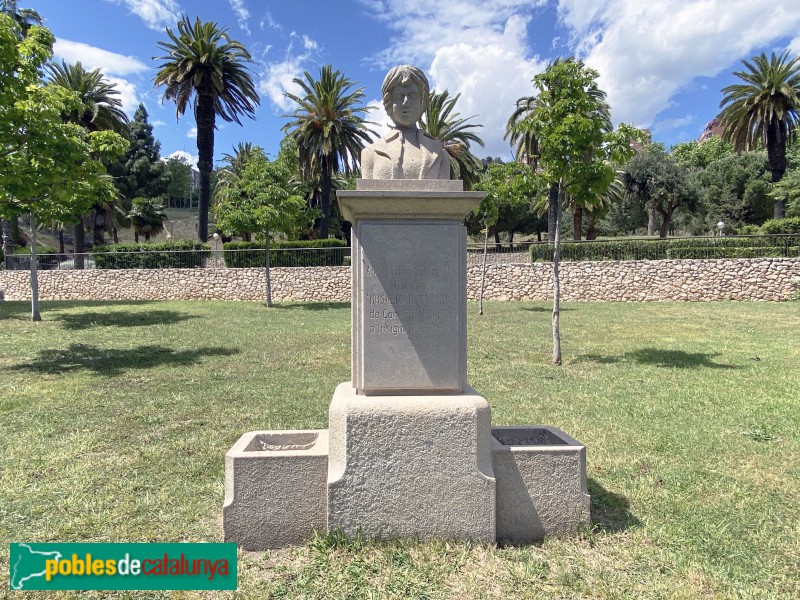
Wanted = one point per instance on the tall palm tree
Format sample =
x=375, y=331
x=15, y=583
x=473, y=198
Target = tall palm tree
x=101, y=110
x=442, y=123
x=204, y=66
x=329, y=130
x=764, y=110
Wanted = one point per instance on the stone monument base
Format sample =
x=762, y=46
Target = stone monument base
x=429, y=478
x=406, y=466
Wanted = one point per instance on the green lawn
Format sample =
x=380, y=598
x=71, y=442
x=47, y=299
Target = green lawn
x=115, y=418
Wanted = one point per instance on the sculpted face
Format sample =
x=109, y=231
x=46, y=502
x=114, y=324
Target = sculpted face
x=406, y=104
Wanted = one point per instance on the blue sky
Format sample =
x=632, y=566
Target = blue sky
x=661, y=62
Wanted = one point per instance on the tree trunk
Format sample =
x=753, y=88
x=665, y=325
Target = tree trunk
x=61, y=242
x=325, y=200
x=483, y=269
x=35, y=314
x=667, y=217
x=577, y=223
x=8, y=242
x=78, y=245
x=557, y=285
x=776, y=157
x=205, y=163
x=497, y=241
x=266, y=269
x=552, y=209
x=591, y=231
x=651, y=219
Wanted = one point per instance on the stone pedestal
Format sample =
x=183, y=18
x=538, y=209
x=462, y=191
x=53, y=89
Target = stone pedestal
x=410, y=451
x=409, y=286
x=406, y=466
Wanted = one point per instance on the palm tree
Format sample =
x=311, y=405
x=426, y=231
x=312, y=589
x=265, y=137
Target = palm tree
x=442, y=123
x=329, y=130
x=229, y=176
x=520, y=133
x=764, y=111
x=204, y=66
x=101, y=110
x=24, y=17
x=147, y=217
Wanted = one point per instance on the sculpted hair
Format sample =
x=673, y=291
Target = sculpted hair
x=404, y=74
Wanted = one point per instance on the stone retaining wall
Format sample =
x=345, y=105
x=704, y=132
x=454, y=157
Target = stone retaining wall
x=774, y=279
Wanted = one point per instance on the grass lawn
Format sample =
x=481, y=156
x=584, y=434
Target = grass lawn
x=115, y=419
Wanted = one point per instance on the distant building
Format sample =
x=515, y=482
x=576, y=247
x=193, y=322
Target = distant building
x=713, y=128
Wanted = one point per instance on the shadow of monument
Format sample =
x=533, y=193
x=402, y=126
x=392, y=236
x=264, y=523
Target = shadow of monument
x=313, y=306
x=122, y=319
x=115, y=361
x=662, y=358
x=610, y=512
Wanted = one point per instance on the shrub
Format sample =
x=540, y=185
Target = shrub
x=781, y=226
x=40, y=249
x=703, y=247
x=174, y=254
x=288, y=254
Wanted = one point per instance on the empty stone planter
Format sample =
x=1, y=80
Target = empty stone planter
x=541, y=483
x=276, y=488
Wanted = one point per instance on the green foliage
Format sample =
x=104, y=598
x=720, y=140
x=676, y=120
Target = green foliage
x=259, y=198
x=147, y=217
x=40, y=249
x=659, y=182
x=735, y=189
x=509, y=188
x=448, y=127
x=47, y=166
x=329, y=131
x=719, y=247
x=141, y=172
x=179, y=176
x=779, y=226
x=295, y=253
x=700, y=155
x=173, y=254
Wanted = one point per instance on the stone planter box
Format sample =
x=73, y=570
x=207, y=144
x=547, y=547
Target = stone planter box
x=276, y=488
x=541, y=483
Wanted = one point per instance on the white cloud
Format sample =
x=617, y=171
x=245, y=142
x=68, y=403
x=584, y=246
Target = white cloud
x=268, y=21
x=278, y=77
x=127, y=94
x=647, y=52
x=157, y=123
x=242, y=14
x=185, y=158
x=794, y=46
x=97, y=58
x=479, y=50
x=192, y=133
x=156, y=14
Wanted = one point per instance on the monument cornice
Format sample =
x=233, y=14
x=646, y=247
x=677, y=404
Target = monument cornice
x=393, y=204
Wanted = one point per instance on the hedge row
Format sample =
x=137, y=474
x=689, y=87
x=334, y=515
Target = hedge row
x=175, y=254
x=724, y=247
x=311, y=253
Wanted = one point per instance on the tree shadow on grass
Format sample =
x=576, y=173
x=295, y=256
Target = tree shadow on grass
x=315, y=306
x=115, y=361
x=610, y=512
x=84, y=320
x=544, y=309
x=662, y=358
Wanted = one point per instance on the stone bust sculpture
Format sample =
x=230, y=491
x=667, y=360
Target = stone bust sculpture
x=406, y=152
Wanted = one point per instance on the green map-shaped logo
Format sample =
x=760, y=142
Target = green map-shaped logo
x=27, y=564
